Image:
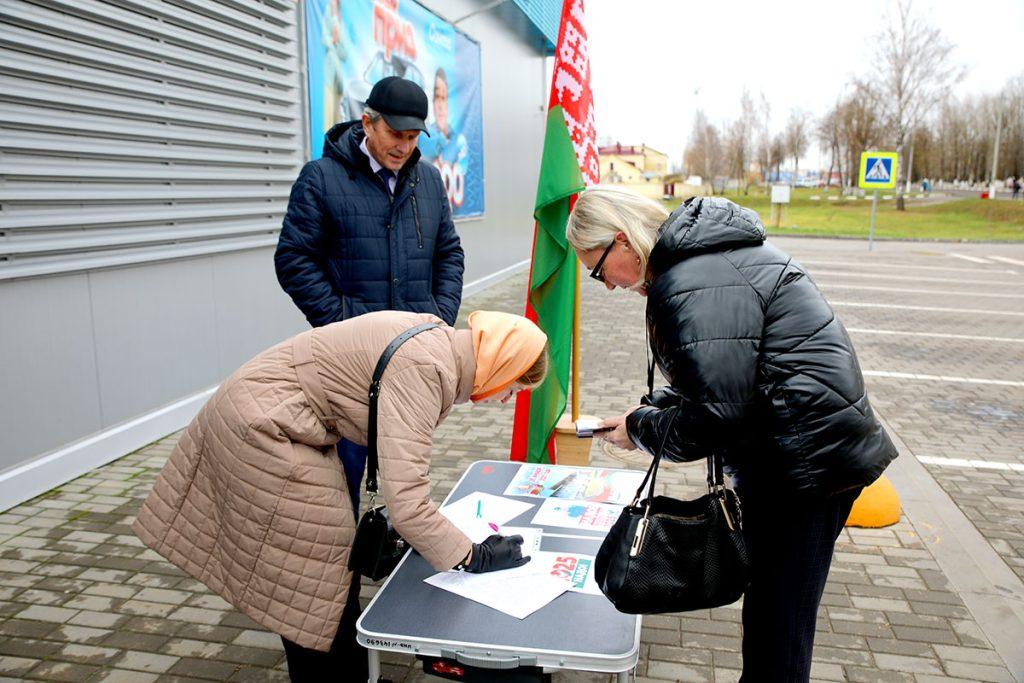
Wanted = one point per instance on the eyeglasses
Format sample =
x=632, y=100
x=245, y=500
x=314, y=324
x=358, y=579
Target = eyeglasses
x=597, y=273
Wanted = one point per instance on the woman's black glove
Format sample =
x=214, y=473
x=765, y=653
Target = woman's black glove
x=497, y=552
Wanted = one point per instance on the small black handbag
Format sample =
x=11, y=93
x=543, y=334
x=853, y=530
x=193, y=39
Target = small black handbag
x=377, y=546
x=668, y=555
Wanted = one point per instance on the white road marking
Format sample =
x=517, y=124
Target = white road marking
x=972, y=259
x=902, y=266
x=943, y=292
x=936, y=335
x=916, y=278
x=977, y=464
x=940, y=309
x=941, y=378
x=1006, y=259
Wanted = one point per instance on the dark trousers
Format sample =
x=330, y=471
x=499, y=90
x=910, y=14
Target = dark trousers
x=353, y=460
x=790, y=544
x=345, y=662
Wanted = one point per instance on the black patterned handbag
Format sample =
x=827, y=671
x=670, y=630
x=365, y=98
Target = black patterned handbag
x=377, y=546
x=668, y=555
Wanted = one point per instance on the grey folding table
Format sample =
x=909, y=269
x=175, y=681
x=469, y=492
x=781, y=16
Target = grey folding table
x=574, y=631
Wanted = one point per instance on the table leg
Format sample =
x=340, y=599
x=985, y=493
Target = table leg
x=373, y=657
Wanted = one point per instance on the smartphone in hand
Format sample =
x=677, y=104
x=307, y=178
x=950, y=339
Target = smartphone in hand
x=586, y=428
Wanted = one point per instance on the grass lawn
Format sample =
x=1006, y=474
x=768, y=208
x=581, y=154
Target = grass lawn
x=958, y=219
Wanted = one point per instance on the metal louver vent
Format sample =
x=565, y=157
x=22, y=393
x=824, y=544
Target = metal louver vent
x=142, y=130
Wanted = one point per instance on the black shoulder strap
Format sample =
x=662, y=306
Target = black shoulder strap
x=716, y=474
x=378, y=373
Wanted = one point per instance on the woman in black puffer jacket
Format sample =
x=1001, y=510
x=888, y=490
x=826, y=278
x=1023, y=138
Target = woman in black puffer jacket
x=762, y=373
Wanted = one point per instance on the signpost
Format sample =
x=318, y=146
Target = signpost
x=780, y=197
x=877, y=172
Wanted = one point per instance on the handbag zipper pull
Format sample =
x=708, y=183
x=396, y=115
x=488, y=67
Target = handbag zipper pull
x=638, y=537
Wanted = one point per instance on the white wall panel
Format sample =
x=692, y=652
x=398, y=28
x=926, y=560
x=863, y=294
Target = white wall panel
x=48, y=381
x=252, y=312
x=155, y=330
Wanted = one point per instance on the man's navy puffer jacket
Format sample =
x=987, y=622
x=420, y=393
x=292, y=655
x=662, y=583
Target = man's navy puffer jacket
x=347, y=248
x=761, y=371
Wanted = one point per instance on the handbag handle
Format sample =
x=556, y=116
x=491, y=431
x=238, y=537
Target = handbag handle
x=371, y=421
x=716, y=476
x=652, y=473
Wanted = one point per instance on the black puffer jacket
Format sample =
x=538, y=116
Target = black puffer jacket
x=348, y=248
x=761, y=371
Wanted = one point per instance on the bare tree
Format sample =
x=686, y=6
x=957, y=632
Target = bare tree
x=859, y=124
x=914, y=69
x=704, y=152
x=764, y=145
x=960, y=142
x=1013, y=132
x=737, y=141
x=777, y=154
x=796, y=138
x=827, y=134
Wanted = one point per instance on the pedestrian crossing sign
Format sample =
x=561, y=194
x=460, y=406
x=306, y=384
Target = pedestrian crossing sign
x=877, y=170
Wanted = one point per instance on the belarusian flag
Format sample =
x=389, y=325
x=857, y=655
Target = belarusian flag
x=568, y=164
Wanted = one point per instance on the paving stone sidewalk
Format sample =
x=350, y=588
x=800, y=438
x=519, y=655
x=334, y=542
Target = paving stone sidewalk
x=82, y=600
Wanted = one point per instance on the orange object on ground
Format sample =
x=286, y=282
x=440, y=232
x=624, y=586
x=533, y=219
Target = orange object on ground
x=876, y=506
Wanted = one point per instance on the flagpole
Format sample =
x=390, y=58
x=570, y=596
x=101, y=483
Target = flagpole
x=544, y=415
x=576, y=340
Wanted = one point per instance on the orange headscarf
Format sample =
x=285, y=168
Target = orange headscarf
x=506, y=346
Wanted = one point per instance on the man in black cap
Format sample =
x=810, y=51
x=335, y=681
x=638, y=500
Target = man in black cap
x=368, y=228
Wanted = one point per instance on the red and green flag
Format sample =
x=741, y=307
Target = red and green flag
x=569, y=163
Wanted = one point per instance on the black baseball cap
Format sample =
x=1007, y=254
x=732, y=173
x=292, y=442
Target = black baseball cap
x=402, y=103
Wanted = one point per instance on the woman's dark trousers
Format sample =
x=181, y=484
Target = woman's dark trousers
x=345, y=662
x=790, y=542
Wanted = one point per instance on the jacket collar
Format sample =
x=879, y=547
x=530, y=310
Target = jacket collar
x=462, y=347
x=341, y=143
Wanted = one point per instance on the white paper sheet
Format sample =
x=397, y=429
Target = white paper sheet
x=577, y=514
x=522, y=590
x=478, y=515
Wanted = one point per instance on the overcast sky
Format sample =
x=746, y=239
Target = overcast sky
x=654, y=62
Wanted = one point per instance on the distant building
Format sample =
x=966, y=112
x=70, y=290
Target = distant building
x=643, y=169
x=626, y=164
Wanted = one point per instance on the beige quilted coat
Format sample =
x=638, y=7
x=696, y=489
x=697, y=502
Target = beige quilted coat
x=253, y=502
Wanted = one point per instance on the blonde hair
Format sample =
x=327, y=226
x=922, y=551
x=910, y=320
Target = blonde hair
x=603, y=210
x=532, y=378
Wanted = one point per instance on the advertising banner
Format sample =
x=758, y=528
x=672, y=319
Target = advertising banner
x=352, y=44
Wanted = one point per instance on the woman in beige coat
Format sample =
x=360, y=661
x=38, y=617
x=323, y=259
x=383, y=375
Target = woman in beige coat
x=253, y=500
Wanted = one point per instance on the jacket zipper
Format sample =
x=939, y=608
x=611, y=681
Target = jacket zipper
x=416, y=216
